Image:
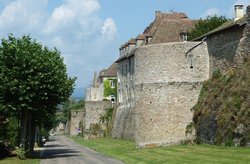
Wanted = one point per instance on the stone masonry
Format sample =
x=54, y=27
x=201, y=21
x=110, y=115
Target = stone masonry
x=93, y=111
x=76, y=118
x=164, y=86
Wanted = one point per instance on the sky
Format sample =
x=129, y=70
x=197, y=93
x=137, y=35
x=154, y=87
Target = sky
x=88, y=33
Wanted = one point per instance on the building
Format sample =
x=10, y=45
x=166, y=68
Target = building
x=224, y=42
x=160, y=75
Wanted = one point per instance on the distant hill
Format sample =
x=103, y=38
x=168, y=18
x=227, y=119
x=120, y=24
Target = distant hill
x=79, y=93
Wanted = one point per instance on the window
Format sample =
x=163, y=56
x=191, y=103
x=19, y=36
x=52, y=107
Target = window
x=112, y=83
x=183, y=36
x=191, y=61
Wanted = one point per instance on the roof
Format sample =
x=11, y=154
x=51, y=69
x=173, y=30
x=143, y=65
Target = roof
x=132, y=41
x=168, y=26
x=111, y=71
x=102, y=73
x=224, y=27
x=140, y=37
x=165, y=28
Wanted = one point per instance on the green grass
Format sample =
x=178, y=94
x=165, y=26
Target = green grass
x=125, y=151
x=15, y=160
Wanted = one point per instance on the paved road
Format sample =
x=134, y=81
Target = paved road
x=62, y=150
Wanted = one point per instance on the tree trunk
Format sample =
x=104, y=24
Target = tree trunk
x=32, y=135
x=23, y=130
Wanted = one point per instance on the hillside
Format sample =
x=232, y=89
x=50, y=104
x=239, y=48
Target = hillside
x=222, y=113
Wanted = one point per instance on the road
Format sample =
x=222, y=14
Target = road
x=62, y=150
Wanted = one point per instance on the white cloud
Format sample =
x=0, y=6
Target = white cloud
x=23, y=16
x=73, y=26
x=109, y=29
x=211, y=12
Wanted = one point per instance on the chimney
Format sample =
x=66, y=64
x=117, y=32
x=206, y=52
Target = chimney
x=157, y=13
x=239, y=12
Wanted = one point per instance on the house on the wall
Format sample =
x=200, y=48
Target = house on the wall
x=107, y=81
x=159, y=82
x=104, y=85
x=223, y=42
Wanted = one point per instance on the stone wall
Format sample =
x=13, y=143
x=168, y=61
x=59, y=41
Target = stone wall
x=76, y=117
x=222, y=47
x=168, y=62
x=93, y=111
x=163, y=111
x=159, y=86
x=124, y=122
x=166, y=89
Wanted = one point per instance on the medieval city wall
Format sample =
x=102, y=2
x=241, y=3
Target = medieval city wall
x=93, y=111
x=167, y=85
x=124, y=124
x=76, y=118
x=163, y=112
x=168, y=62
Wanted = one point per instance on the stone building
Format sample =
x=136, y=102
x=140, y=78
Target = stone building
x=159, y=79
x=223, y=42
x=96, y=92
x=160, y=75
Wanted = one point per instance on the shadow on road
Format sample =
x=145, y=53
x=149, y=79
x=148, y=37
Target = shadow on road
x=55, y=153
x=55, y=145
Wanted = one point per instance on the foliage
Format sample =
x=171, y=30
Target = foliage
x=205, y=25
x=94, y=129
x=106, y=120
x=222, y=112
x=11, y=132
x=108, y=90
x=126, y=151
x=21, y=154
x=33, y=80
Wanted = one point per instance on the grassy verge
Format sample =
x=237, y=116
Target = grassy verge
x=125, y=151
x=15, y=160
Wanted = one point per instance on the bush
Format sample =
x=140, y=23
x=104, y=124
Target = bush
x=21, y=154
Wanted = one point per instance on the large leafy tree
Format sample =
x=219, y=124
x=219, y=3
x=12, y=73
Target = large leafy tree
x=33, y=81
x=203, y=26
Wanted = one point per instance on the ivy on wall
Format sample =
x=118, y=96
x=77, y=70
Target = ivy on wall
x=108, y=89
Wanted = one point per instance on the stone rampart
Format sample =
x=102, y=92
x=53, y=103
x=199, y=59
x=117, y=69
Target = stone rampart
x=76, y=118
x=168, y=80
x=93, y=111
x=124, y=123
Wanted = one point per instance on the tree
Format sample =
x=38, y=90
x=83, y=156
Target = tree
x=205, y=25
x=33, y=80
